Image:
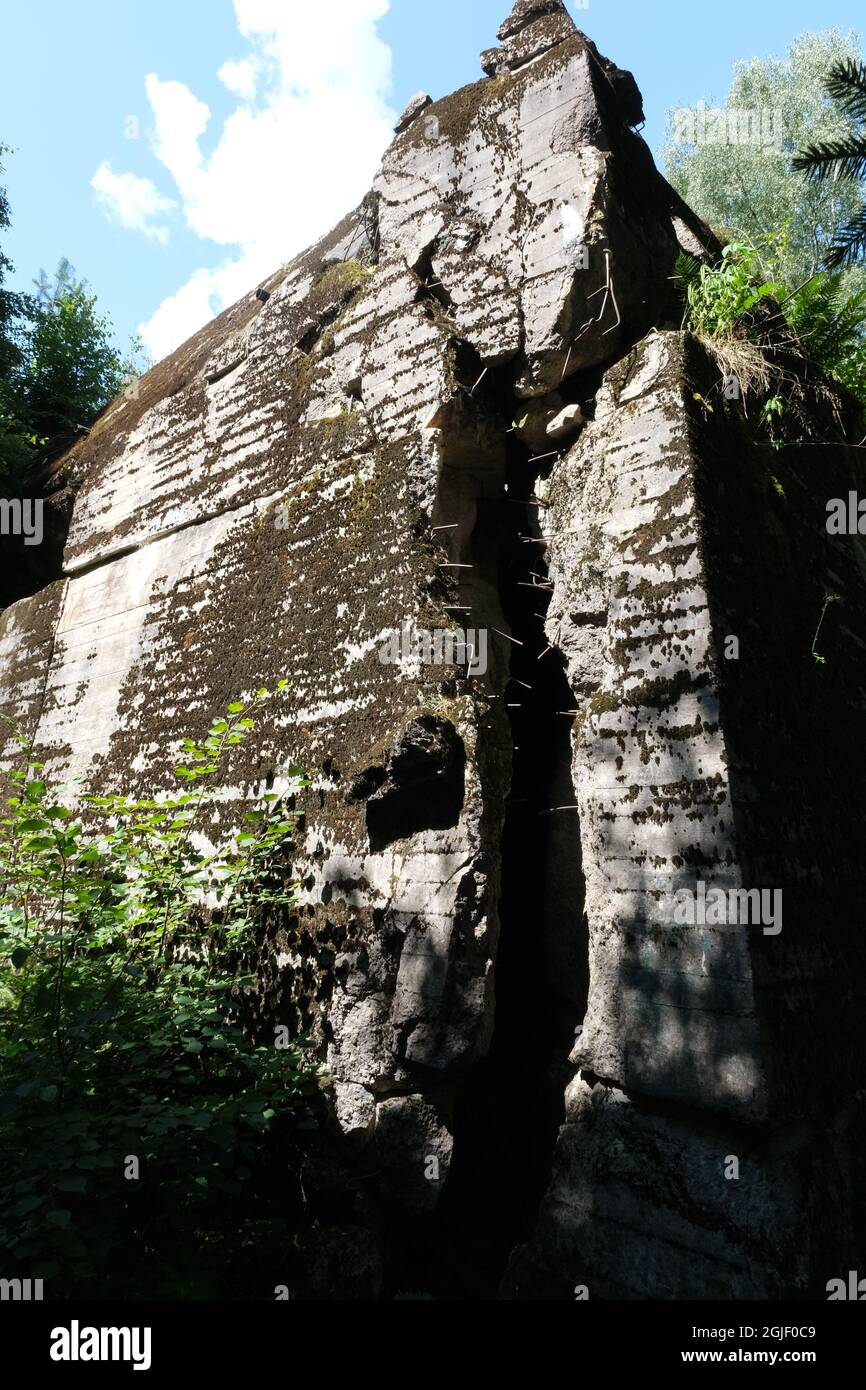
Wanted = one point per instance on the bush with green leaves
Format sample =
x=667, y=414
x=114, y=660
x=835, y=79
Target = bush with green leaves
x=830, y=324
x=824, y=317
x=720, y=296
x=140, y=1121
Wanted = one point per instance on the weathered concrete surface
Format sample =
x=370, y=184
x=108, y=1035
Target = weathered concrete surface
x=27, y=638
x=670, y=1008
x=264, y=507
x=418, y=103
x=640, y=1207
x=318, y=467
x=670, y=532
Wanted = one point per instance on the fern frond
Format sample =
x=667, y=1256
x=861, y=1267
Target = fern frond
x=830, y=324
x=850, y=244
x=846, y=84
x=842, y=159
x=687, y=269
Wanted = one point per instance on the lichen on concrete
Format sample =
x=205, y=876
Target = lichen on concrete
x=366, y=447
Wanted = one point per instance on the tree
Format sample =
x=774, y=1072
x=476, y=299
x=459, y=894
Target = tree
x=59, y=366
x=51, y=293
x=749, y=190
x=843, y=159
x=70, y=368
x=14, y=448
x=11, y=305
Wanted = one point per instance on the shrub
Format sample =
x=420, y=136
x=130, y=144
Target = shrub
x=824, y=319
x=136, y=1111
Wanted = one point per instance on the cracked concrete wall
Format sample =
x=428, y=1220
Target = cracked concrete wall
x=269, y=505
x=670, y=1009
x=670, y=532
x=264, y=506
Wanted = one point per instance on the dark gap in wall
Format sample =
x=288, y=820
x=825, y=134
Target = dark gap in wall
x=42, y=501
x=315, y=332
x=430, y=286
x=423, y=787
x=582, y=389
x=510, y=1106
x=370, y=223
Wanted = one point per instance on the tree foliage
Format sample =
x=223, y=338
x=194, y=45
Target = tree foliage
x=11, y=305
x=748, y=191
x=123, y=936
x=59, y=366
x=14, y=450
x=70, y=369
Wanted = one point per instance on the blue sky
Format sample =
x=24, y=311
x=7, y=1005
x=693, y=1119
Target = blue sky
x=210, y=176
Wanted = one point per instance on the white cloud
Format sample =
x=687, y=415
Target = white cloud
x=295, y=155
x=180, y=120
x=132, y=201
x=240, y=78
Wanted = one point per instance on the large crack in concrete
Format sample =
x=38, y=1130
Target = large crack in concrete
x=507, y=1108
x=455, y=409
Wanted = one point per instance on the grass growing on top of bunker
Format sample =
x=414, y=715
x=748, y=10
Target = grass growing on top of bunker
x=743, y=311
x=138, y=1117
